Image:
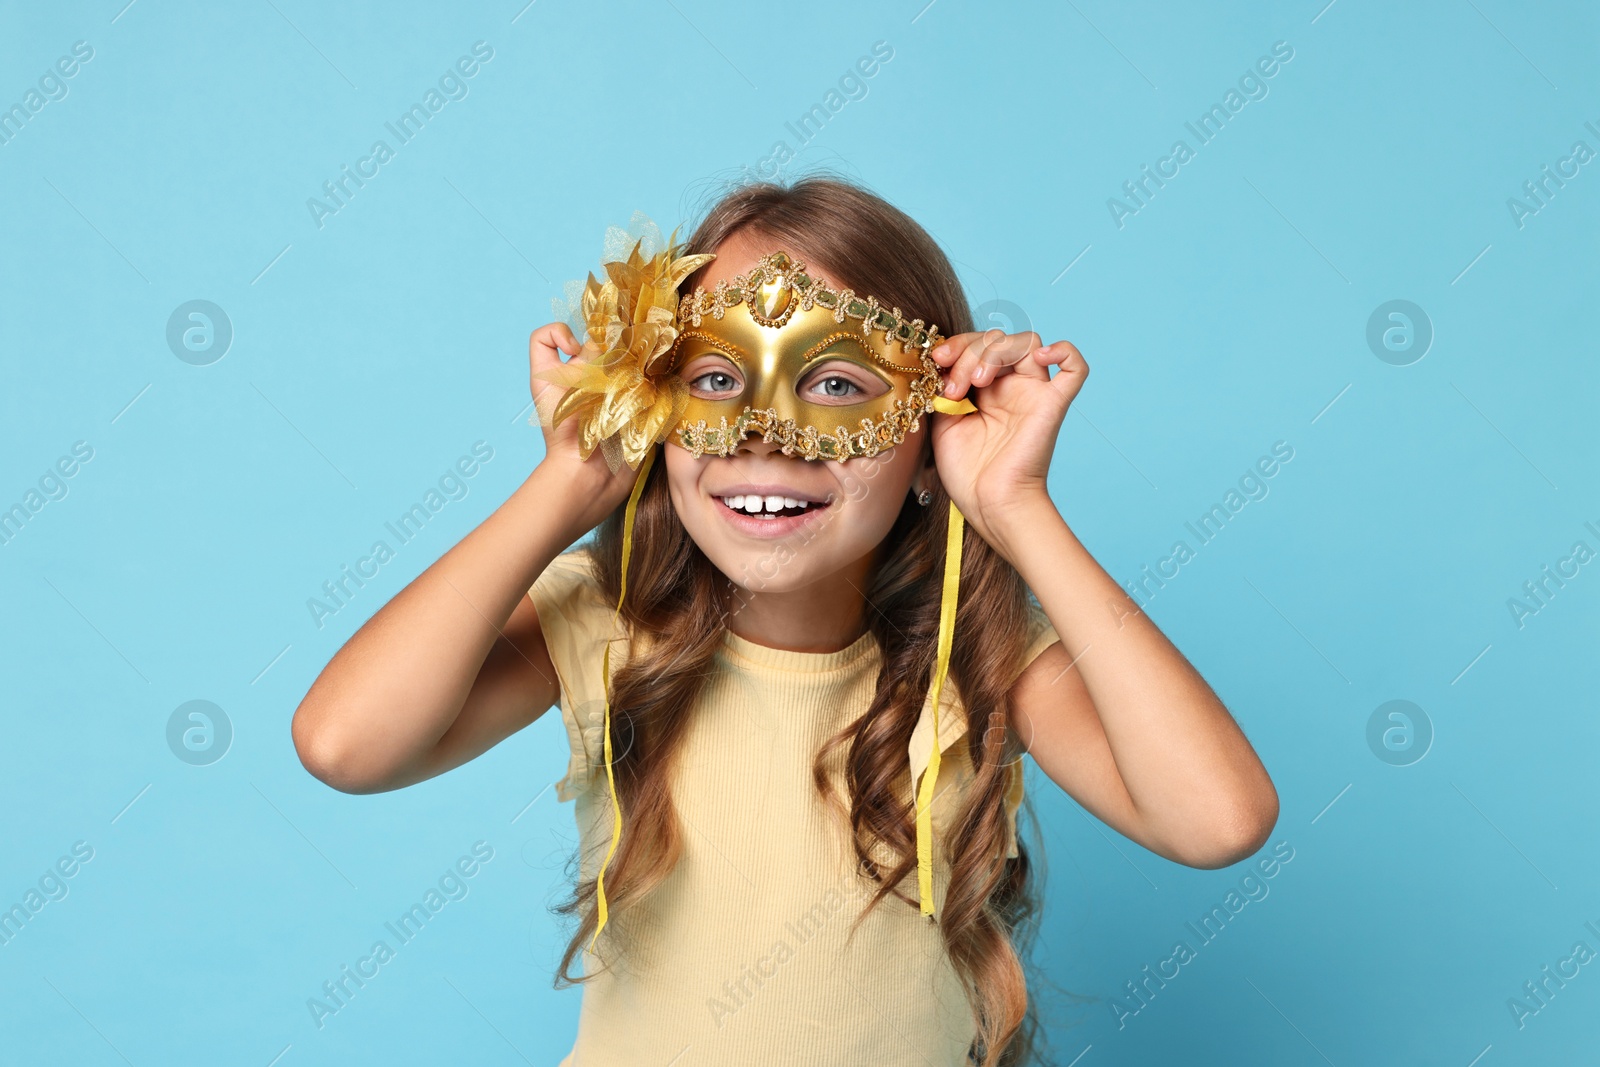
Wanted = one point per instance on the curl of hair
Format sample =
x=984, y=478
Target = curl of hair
x=676, y=611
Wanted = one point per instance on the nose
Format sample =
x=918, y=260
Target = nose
x=755, y=445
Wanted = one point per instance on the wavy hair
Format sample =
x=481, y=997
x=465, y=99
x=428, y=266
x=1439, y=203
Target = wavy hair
x=676, y=612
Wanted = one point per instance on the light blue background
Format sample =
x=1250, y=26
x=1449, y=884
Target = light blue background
x=1229, y=313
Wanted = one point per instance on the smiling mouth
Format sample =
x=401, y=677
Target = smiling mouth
x=768, y=507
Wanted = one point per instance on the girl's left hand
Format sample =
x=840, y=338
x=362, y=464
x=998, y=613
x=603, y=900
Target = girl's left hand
x=993, y=462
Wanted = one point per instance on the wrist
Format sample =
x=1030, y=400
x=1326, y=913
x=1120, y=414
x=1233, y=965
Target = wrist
x=566, y=491
x=1021, y=515
x=1014, y=524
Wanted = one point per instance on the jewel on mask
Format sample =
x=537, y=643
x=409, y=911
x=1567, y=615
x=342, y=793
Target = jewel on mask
x=772, y=302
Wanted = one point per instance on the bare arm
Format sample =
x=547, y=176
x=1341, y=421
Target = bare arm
x=1116, y=716
x=456, y=662
x=1131, y=730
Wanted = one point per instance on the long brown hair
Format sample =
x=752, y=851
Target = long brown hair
x=676, y=612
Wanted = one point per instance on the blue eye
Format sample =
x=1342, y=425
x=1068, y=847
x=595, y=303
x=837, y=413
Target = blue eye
x=837, y=386
x=841, y=381
x=716, y=381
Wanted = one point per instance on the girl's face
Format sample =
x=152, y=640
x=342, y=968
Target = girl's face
x=830, y=515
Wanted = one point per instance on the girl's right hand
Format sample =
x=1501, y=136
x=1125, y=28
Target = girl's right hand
x=596, y=489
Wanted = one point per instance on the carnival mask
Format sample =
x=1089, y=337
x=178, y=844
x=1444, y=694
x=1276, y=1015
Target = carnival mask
x=775, y=326
x=770, y=329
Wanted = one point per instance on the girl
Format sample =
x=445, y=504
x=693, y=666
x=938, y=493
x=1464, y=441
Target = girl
x=795, y=733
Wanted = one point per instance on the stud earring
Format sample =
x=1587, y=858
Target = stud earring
x=925, y=497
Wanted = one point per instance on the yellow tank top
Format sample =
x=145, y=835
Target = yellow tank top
x=743, y=954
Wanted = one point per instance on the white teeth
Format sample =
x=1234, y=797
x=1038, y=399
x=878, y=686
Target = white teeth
x=755, y=504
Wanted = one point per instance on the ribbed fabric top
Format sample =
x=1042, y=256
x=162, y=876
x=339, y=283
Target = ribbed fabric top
x=743, y=955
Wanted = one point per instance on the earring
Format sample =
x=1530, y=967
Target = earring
x=925, y=497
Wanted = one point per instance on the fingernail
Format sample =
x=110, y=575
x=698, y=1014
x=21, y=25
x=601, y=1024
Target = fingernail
x=950, y=389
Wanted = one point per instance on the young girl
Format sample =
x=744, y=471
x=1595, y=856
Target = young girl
x=796, y=733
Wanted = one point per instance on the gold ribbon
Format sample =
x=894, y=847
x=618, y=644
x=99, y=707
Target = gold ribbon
x=605, y=675
x=947, y=619
x=947, y=625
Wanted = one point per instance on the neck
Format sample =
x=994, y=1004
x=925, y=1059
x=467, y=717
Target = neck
x=826, y=616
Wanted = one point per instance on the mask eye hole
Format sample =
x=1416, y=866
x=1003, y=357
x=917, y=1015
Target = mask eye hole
x=840, y=382
x=713, y=377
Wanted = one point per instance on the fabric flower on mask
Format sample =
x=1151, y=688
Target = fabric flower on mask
x=621, y=387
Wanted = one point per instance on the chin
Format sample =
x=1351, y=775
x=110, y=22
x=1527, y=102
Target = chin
x=783, y=565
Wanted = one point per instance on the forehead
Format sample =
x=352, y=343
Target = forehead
x=740, y=252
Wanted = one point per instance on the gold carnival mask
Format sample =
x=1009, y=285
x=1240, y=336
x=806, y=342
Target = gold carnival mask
x=777, y=325
x=774, y=326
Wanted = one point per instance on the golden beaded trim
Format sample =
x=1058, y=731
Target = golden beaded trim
x=873, y=436
x=911, y=333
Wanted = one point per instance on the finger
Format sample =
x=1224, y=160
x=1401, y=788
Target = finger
x=1002, y=352
x=1008, y=349
x=1036, y=364
x=990, y=356
x=959, y=377
x=1063, y=354
x=1071, y=370
x=545, y=346
x=949, y=350
x=979, y=355
x=1057, y=352
x=554, y=335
